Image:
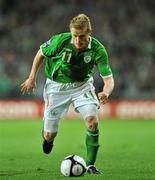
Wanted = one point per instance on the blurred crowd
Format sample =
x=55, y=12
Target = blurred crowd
x=126, y=28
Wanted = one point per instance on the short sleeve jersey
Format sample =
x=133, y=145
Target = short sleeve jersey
x=66, y=65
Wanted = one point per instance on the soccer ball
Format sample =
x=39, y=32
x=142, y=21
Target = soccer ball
x=73, y=165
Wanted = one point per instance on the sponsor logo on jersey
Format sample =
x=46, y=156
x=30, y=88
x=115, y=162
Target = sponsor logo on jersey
x=87, y=59
x=47, y=43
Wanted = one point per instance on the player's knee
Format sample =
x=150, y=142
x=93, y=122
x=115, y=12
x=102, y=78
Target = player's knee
x=49, y=136
x=92, y=123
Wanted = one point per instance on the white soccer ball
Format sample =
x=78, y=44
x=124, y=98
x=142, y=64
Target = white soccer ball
x=73, y=165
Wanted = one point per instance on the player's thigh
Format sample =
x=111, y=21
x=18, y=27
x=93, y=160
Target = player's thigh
x=55, y=107
x=88, y=100
x=89, y=111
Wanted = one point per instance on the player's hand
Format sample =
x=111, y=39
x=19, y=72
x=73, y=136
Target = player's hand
x=28, y=86
x=103, y=98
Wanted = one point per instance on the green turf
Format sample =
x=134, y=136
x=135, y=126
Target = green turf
x=127, y=150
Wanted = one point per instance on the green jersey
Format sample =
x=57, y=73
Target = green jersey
x=66, y=65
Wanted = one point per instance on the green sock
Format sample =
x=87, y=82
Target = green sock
x=92, y=144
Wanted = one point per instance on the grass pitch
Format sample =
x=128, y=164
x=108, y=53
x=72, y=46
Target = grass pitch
x=127, y=150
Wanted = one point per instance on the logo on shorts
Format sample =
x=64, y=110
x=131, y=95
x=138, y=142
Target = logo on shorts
x=87, y=59
x=54, y=112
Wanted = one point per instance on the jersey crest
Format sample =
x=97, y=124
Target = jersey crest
x=87, y=59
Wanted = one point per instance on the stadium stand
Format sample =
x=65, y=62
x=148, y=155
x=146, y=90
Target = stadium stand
x=126, y=28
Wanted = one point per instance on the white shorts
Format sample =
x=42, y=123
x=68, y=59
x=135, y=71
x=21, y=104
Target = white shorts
x=59, y=96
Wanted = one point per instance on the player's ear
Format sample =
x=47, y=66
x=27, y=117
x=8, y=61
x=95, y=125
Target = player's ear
x=89, y=31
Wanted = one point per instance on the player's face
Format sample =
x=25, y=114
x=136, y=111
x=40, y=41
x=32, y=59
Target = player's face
x=80, y=38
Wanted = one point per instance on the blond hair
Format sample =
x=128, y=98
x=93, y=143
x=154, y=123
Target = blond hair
x=80, y=22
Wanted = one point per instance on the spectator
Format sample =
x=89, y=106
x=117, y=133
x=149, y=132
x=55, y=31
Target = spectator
x=123, y=23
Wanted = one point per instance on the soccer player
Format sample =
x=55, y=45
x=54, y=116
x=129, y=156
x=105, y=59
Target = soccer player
x=69, y=62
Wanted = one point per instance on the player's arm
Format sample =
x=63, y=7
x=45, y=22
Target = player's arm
x=107, y=89
x=106, y=74
x=30, y=83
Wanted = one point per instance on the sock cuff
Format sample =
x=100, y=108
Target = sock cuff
x=92, y=133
